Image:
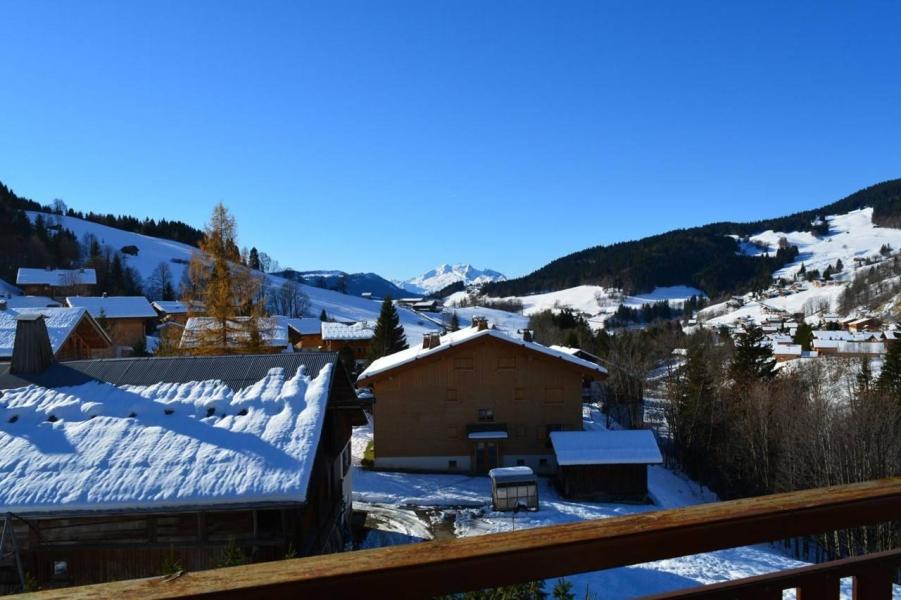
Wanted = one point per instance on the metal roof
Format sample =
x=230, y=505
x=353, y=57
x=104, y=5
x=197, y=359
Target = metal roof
x=236, y=371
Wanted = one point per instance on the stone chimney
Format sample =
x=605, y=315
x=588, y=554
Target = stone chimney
x=527, y=335
x=480, y=323
x=431, y=340
x=32, y=352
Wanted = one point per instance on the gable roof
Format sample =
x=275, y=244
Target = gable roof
x=115, y=307
x=8, y=289
x=171, y=307
x=341, y=331
x=61, y=322
x=302, y=325
x=56, y=277
x=463, y=336
x=617, y=447
x=32, y=302
x=172, y=444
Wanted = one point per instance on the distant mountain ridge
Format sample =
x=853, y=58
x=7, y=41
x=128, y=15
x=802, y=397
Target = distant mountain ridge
x=445, y=275
x=704, y=257
x=354, y=284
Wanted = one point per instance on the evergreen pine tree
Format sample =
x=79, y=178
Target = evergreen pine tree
x=753, y=358
x=454, y=322
x=864, y=376
x=804, y=336
x=890, y=378
x=323, y=316
x=253, y=260
x=389, y=334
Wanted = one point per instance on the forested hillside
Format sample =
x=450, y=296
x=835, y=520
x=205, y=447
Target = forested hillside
x=704, y=257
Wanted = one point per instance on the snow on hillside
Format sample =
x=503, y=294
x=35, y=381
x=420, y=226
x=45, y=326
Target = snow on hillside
x=152, y=251
x=445, y=275
x=850, y=235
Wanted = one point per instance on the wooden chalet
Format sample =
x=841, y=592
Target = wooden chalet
x=605, y=465
x=171, y=311
x=191, y=466
x=356, y=336
x=125, y=318
x=473, y=400
x=55, y=283
x=304, y=333
x=73, y=333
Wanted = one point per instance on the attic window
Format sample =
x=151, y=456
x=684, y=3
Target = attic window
x=52, y=418
x=13, y=419
x=168, y=411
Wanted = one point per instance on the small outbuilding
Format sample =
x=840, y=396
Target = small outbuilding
x=605, y=465
x=513, y=487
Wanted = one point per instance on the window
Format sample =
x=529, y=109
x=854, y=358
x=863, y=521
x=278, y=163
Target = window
x=486, y=415
x=451, y=464
x=451, y=394
x=506, y=362
x=520, y=462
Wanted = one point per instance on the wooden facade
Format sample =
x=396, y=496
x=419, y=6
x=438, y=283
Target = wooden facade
x=480, y=404
x=360, y=348
x=603, y=483
x=127, y=331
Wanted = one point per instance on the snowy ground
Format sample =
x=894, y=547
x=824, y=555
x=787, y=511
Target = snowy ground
x=465, y=501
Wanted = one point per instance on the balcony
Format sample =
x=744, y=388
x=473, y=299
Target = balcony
x=441, y=567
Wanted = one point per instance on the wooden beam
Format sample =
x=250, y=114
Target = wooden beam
x=444, y=566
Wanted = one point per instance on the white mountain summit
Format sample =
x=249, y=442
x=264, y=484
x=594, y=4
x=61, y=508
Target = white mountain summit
x=444, y=275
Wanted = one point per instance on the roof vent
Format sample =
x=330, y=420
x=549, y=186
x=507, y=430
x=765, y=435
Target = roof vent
x=32, y=352
x=431, y=340
x=480, y=323
x=527, y=335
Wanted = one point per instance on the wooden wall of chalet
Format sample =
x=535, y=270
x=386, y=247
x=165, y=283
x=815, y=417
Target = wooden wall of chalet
x=360, y=347
x=310, y=341
x=423, y=409
x=126, y=332
x=604, y=482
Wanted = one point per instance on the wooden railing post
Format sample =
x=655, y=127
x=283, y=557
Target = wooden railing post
x=874, y=583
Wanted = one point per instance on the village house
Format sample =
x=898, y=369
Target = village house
x=473, y=400
x=115, y=468
x=72, y=332
x=171, y=311
x=864, y=324
x=847, y=348
x=304, y=333
x=356, y=336
x=56, y=283
x=783, y=352
x=125, y=318
x=207, y=333
x=605, y=465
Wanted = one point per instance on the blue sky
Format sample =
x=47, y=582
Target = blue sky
x=392, y=136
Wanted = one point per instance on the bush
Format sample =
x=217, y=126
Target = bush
x=368, y=460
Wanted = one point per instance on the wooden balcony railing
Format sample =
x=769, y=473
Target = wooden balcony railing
x=440, y=567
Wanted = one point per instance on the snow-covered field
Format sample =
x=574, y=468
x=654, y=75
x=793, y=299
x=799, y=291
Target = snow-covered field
x=465, y=500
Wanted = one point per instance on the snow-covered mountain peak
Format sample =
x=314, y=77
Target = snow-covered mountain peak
x=446, y=274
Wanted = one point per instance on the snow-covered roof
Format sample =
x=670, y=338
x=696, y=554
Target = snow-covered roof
x=135, y=447
x=519, y=474
x=634, y=446
x=271, y=331
x=56, y=277
x=114, y=307
x=60, y=322
x=171, y=307
x=302, y=325
x=8, y=289
x=31, y=302
x=848, y=336
x=488, y=435
x=341, y=331
x=844, y=347
x=788, y=349
x=462, y=336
